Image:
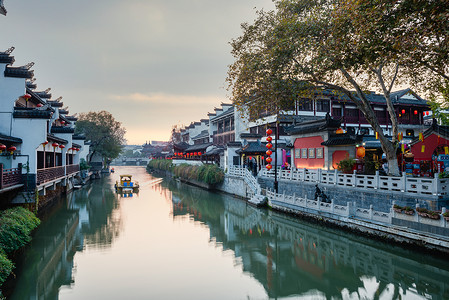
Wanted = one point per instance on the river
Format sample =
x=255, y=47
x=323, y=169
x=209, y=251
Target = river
x=175, y=241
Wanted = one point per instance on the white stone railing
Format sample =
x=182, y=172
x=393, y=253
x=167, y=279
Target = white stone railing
x=293, y=203
x=416, y=185
x=247, y=176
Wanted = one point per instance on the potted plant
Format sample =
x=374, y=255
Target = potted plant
x=397, y=208
x=435, y=215
x=409, y=211
x=446, y=216
x=422, y=211
x=346, y=165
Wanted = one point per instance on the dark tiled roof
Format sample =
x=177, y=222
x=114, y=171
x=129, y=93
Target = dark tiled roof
x=76, y=145
x=62, y=129
x=337, y=140
x=34, y=97
x=442, y=131
x=53, y=138
x=55, y=103
x=246, y=135
x=203, y=134
x=253, y=147
x=63, y=111
x=181, y=146
x=3, y=10
x=6, y=58
x=215, y=151
x=44, y=94
x=9, y=139
x=71, y=118
x=326, y=123
x=234, y=144
x=31, y=113
x=78, y=137
x=31, y=85
x=18, y=72
x=198, y=147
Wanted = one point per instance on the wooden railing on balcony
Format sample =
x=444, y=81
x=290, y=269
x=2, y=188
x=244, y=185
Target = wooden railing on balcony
x=10, y=177
x=49, y=174
x=70, y=169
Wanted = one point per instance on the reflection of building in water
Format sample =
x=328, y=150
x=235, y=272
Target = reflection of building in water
x=291, y=258
x=91, y=216
x=49, y=263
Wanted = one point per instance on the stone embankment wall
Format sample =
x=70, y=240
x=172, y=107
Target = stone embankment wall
x=381, y=200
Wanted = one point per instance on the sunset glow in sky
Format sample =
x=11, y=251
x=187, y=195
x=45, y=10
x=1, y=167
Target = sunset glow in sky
x=151, y=63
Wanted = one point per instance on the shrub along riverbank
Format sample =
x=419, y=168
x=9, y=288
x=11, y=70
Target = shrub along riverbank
x=16, y=225
x=209, y=174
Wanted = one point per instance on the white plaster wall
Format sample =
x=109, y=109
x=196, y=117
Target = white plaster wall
x=240, y=124
x=10, y=90
x=33, y=133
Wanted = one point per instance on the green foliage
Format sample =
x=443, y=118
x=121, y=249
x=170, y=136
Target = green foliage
x=346, y=165
x=84, y=165
x=6, y=267
x=210, y=174
x=160, y=164
x=437, y=112
x=16, y=225
x=104, y=132
x=443, y=175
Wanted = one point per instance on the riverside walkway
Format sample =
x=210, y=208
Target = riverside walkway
x=411, y=227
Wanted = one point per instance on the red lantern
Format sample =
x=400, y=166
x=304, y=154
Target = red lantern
x=61, y=146
x=196, y=153
x=269, y=146
x=415, y=112
x=45, y=143
x=12, y=149
x=269, y=160
x=361, y=151
x=403, y=111
x=199, y=153
x=269, y=139
x=39, y=105
x=339, y=131
x=26, y=96
x=269, y=152
x=427, y=113
x=269, y=167
x=269, y=131
x=55, y=145
x=2, y=148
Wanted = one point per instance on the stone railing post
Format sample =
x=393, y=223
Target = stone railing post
x=319, y=203
x=303, y=174
x=371, y=212
x=354, y=178
x=319, y=175
x=417, y=217
x=376, y=180
x=443, y=211
x=404, y=182
x=435, y=190
x=335, y=176
x=349, y=207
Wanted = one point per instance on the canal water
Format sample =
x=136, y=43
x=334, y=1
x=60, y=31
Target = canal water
x=175, y=241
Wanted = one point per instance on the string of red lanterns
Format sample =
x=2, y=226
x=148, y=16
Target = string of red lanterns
x=269, y=152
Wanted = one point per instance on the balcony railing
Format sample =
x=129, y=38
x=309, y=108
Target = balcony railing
x=49, y=174
x=10, y=177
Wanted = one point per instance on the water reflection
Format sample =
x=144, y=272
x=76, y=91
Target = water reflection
x=89, y=217
x=292, y=258
x=280, y=256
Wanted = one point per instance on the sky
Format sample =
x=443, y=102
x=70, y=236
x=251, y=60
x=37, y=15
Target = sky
x=151, y=63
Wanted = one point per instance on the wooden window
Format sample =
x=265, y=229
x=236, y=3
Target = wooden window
x=319, y=152
x=311, y=152
x=304, y=153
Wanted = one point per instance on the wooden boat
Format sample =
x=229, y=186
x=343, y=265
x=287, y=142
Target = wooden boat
x=126, y=185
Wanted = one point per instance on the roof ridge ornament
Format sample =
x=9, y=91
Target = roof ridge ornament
x=10, y=50
x=58, y=99
x=28, y=66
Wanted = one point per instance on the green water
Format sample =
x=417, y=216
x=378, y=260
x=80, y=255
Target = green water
x=174, y=241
